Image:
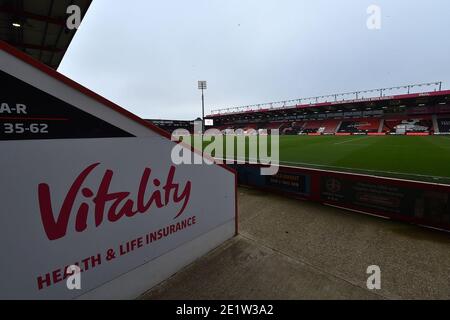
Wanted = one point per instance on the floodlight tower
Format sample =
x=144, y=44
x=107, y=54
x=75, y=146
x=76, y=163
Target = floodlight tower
x=202, y=86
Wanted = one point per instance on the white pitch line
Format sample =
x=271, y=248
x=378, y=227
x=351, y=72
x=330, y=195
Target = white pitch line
x=356, y=169
x=359, y=138
x=367, y=170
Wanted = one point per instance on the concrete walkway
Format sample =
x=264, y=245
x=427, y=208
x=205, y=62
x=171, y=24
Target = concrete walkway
x=289, y=249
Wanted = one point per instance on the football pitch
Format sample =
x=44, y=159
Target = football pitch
x=423, y=158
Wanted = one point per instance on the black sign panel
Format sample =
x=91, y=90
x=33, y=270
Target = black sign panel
x=287, y=182
x=28, y=113
x=388, y=199
x=290, y=182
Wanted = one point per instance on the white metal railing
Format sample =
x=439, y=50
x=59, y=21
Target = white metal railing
x=347, y=96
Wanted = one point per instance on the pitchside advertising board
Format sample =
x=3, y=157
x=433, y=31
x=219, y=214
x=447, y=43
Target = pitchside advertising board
x=415, y=202
x=85, y=183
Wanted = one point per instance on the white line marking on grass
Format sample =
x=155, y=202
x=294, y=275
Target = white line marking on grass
x=366, y=170
x=353, y=169
x=350, y=140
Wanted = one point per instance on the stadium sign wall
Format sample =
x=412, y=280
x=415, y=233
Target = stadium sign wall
x=86, y=183
x=415, y=202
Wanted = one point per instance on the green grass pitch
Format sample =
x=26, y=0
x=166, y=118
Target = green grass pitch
x=424, y=158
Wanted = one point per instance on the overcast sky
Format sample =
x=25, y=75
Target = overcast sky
x=147, y=55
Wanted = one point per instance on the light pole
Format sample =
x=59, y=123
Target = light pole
x=202, y=86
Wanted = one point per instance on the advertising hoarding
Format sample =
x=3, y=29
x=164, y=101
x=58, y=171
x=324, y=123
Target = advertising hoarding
x=86, y=183
x=415, y=202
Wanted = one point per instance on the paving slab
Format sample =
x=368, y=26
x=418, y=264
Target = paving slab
x=291, y=249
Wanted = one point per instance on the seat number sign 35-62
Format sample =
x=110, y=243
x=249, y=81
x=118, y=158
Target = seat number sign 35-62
x=27, y=113
x=19, y=109
x=20, y=127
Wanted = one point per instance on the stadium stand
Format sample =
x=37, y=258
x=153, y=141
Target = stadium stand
x=403, y=125
x=297, y=127
x=172, y=125
x=426, y=112
x=287, y=128
x=224, y=128
x=273, y=125
x=329, y=126
x=290, y=128
x=312, y=126
x=444, y=124
x=249, y=127
x=371, y=125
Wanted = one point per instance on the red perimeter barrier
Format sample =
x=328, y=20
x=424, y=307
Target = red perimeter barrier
x=417, y=133
x=343, y=134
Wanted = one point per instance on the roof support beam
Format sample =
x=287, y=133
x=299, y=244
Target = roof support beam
x=44, y=37
x=29, y=15
x=34, y=47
